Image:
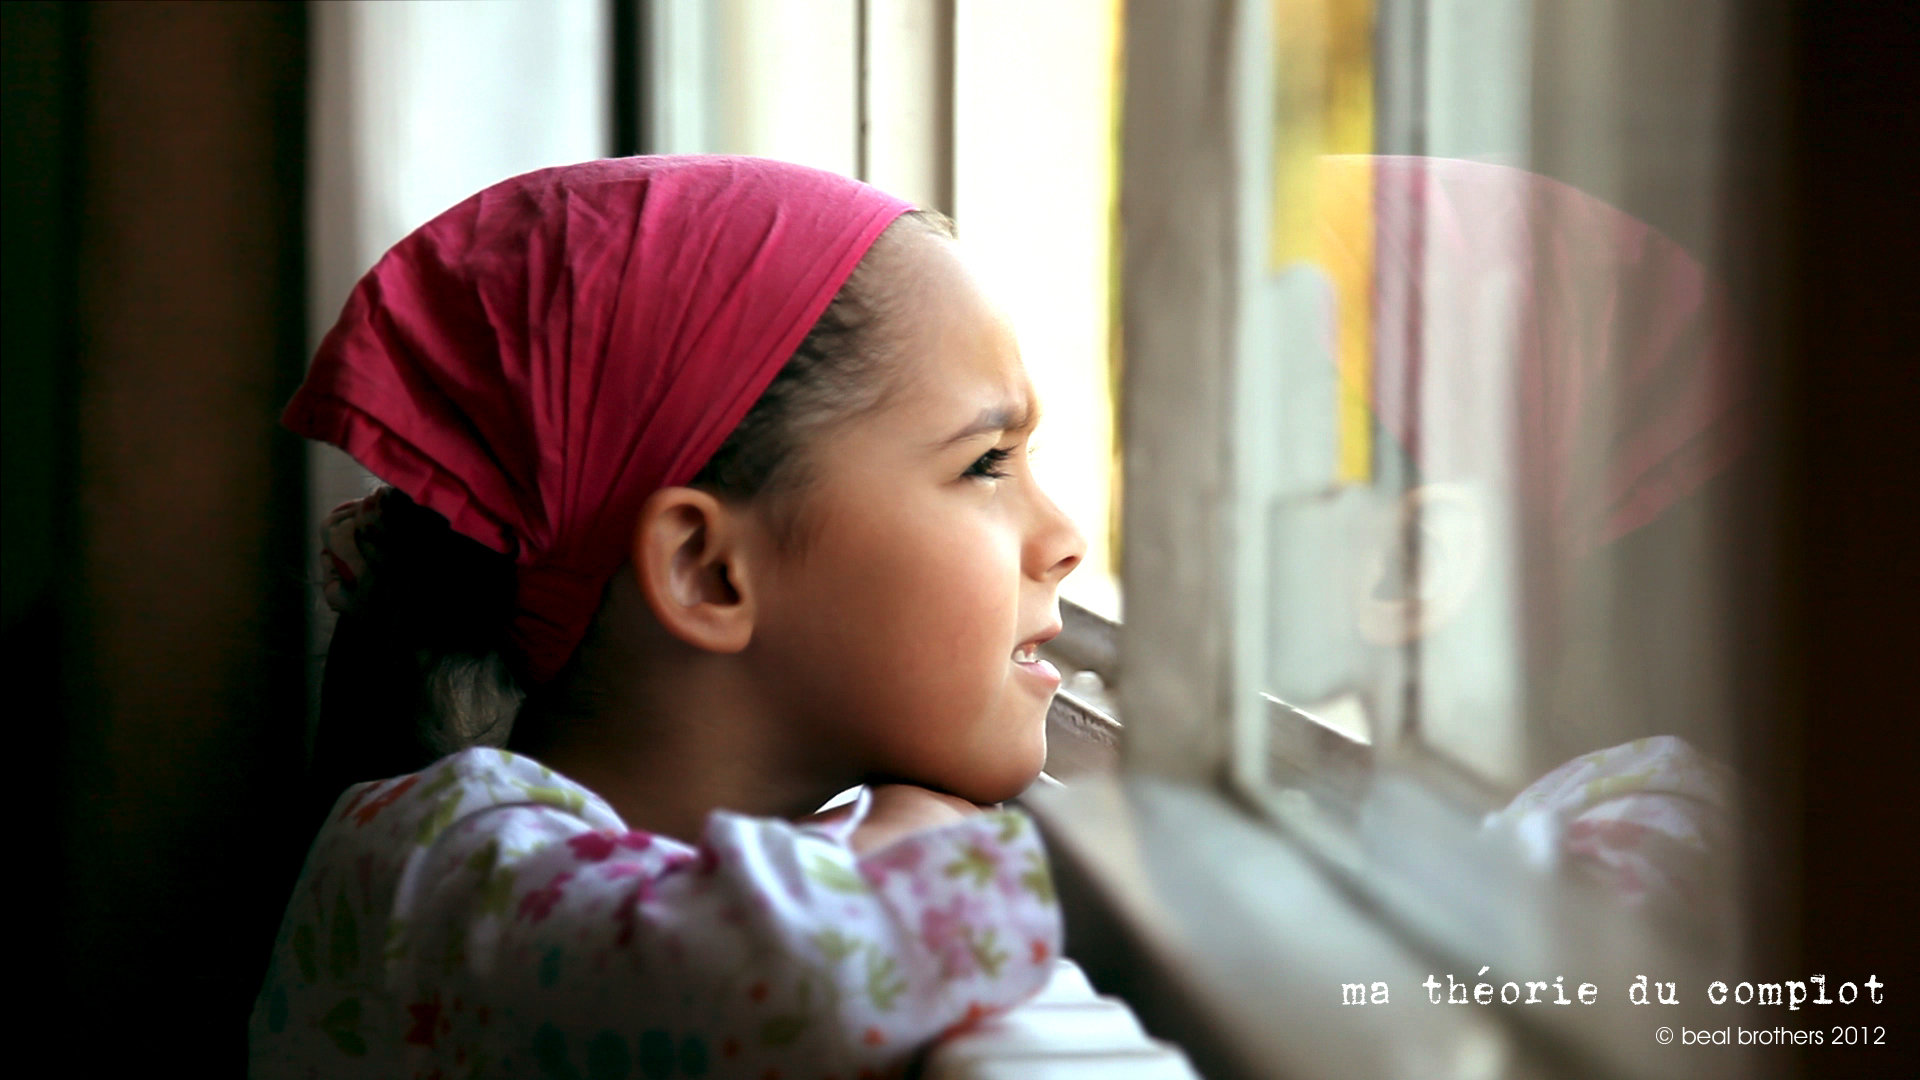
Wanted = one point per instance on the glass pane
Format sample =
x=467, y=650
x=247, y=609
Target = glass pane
x=1509, y=398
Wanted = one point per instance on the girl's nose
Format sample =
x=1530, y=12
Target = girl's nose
x=1056, y=545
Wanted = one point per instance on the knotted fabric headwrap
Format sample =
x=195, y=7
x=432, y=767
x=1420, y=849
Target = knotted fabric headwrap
x=536, y=361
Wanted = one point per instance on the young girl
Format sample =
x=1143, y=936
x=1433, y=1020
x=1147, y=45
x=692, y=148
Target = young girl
x=709, y=499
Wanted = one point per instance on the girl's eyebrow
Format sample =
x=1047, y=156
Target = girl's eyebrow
x=1005, y=416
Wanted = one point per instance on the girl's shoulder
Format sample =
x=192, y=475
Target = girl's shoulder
x=419, y=807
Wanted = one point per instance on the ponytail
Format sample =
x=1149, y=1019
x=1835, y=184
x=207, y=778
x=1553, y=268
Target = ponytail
x=416, y=669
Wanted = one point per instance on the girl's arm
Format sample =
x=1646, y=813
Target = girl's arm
x=896, y=811
x=811, y=950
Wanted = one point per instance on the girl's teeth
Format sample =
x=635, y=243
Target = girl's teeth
x=1026, y=654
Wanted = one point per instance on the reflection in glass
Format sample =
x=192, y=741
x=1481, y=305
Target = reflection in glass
x=1527, y=573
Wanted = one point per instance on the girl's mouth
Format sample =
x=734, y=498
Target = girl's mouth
x=1027, y=659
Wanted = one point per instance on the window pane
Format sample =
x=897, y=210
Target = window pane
x=767, y=78
x=1505, y=398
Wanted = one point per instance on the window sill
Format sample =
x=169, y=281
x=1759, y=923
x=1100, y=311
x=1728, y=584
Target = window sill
x=1066, y=1033
x=1232, y=940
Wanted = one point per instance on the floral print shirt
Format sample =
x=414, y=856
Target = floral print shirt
x=489, y=917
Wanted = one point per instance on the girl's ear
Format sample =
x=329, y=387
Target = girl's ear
x=689, y=554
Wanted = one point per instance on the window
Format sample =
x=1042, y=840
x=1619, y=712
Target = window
x=1436, y=413
x=1502, y=398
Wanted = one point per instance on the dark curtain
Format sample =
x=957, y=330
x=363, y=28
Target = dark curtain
x=1853, y=507
x=154, y=586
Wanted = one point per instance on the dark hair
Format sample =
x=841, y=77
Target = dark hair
x=417, y=667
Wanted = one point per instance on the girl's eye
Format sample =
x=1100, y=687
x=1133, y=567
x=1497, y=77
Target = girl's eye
x=988, y=467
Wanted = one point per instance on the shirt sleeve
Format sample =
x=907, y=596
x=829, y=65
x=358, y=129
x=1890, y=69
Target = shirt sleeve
x=573, y=948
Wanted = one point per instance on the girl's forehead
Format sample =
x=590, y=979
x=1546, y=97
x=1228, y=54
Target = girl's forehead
x=1018, y=411
x=972, y=378
x=955, y=350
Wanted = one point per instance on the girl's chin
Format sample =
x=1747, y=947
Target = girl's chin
x=1010, y=766
x=1008, y=782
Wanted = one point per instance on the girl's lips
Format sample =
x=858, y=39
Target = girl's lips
x=1038, y=640
x=1026, y=656
x=1040, y=671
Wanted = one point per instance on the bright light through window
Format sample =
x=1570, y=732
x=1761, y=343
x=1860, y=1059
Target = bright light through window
x=1034, y=150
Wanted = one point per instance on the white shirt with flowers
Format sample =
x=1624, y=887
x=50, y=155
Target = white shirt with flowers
x=489, y=917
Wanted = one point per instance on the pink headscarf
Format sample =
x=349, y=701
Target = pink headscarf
x=536, y=361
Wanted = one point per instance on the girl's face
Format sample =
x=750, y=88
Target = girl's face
x=929, y=559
